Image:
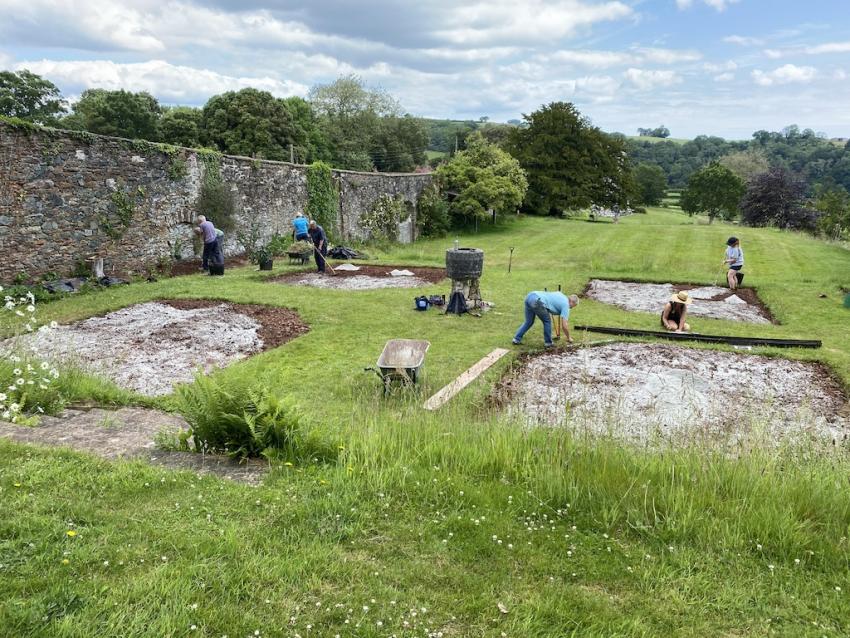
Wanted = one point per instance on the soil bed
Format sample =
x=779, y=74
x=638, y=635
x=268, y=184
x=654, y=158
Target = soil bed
x=368, y=277
x=193, y=266
x=712, y=302
x=644, y=392
x=151, y=346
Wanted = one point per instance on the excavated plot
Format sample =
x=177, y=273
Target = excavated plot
x=367, y=277
x=643, y=392
x=151, y=346
x=711, y=302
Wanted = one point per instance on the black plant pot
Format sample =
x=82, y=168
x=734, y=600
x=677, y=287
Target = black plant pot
x=266, y=264
x=216, y=269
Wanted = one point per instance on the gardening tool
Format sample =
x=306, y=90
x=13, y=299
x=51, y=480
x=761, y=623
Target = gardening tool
x=510, y=258
x=325, y=258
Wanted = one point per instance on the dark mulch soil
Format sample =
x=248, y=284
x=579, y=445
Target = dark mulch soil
x=277, y=325
x=747, y=294
x=193, y=266
x=431, y=275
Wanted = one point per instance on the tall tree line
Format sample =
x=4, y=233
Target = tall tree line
x=345, y=123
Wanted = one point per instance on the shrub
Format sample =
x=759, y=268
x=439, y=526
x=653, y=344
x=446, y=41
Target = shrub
x=322, y=197
x=382, y=219
x=245, y=421
x=432, y=213
x=778, y=198
x=215, y=202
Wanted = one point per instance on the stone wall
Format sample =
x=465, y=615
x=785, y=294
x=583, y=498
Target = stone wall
x=66, y=197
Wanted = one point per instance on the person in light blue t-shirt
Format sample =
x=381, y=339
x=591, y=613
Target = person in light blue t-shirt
x=735, y=260
x=541, y=305
x=299, y=228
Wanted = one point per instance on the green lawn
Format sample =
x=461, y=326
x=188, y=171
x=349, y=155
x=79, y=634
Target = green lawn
x=449, y=515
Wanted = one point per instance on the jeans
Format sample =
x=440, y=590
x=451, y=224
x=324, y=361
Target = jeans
x=534, y=308
x=320, y=257
x=210, y=249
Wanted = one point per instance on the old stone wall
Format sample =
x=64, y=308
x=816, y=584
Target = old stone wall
x=66, y=197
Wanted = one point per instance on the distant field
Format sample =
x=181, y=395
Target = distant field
x=655, y=140
x=435, y=154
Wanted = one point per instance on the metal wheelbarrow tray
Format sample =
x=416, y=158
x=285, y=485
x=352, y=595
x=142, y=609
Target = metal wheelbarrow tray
x=401, y=359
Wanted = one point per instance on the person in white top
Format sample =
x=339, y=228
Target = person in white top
x=735, y=259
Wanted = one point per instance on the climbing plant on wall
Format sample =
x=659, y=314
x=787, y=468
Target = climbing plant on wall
x=215, y=199
x=322, y=197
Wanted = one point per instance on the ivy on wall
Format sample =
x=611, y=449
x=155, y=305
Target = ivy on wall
x=322, y=197
x=119, y=215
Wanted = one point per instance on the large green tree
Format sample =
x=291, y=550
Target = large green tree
x=746, y=164
x=30, y=97
x=483, y=179
x=253, y=123
x=714, y=190
x=180, y=125
x=365, y=127
x=833, y=203
x=651, y=184
x=778, y=198
x=119, y=113
x=570, y=163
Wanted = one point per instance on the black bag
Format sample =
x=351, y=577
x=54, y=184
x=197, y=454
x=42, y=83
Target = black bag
x=457, y=304
x=421, y=303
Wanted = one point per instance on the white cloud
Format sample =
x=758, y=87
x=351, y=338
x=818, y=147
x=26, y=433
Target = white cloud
x=724, y=77
x=829, y=47
x=505, y=21
x=773, y=54
x=786, y=74
x=648, y=79
x=168, y=82
x=593, y=59
x=744, y=40
x=713, y=67
x=720, y=5
x=668, y=56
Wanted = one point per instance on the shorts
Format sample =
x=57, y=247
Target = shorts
x=736, y=268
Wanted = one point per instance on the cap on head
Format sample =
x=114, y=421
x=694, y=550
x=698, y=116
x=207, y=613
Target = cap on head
x=731, y=241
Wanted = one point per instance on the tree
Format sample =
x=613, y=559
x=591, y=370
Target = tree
x=651, y=184
x=746, y=164
x=30, y=97
x=778, y=198
x=834, y=206
x=714, y=189
x=661, y=131
x=398, y=144
x=253, y=123
x=482, y=178
x=570, y=164
x=349, y=113
x=180, y=125
x=119, y=113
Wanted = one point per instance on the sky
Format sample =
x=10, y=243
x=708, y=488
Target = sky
x=712, y=67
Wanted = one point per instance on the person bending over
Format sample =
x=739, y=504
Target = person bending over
x=540, y=305
x=207, y=232
x=675, y=311
x=299, y=228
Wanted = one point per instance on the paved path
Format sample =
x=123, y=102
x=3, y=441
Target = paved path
x=129, y=433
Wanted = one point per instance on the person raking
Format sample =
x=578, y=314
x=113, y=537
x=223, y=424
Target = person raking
x=542, y=304
x=320, y=244
x=674, y=312
x=208, y=233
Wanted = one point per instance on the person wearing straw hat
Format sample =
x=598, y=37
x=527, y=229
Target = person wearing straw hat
x=675, y=311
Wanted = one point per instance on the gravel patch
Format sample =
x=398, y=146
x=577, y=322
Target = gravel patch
x=709, y=301
x=642, y=392
x=357, y=282
x=151, y=346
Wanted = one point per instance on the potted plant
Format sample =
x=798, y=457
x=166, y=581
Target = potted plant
x=263, y=257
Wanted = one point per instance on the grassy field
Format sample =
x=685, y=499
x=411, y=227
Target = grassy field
x=456, y=523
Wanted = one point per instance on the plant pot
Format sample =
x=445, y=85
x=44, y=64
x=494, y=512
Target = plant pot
x=266, y=264
x=216, y=269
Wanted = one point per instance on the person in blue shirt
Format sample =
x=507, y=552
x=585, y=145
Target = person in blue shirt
x=299, y=228
x=735, y=260
x=541, y=305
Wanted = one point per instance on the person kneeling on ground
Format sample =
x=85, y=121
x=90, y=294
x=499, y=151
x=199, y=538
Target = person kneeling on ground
x=541, y=305
x=735, y=259
x=299, y=228
x=208, y=233
x=675, y=311
x=320, y=244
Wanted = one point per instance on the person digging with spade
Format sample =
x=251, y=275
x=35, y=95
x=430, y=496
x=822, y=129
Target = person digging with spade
x=542, y=304
x=320, y=244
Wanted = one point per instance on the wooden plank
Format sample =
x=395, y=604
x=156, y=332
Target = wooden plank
x=464, y=379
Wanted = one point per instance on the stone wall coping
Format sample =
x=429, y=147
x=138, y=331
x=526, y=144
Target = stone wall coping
x=71, y=135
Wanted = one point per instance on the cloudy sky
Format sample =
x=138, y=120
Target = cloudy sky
x=720, y=67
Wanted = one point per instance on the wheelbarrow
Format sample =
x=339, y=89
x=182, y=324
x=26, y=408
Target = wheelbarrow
x=401, y=360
